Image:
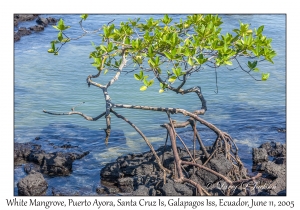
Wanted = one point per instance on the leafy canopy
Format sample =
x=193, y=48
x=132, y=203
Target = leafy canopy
x=174, y=51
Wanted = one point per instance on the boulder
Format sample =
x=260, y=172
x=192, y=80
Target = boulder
x=22, y=151
x=259, y=155
x=23, y=17
x=56, y=164
x=21, y=32
x=32, y=185
x=273, y=169
x=51, y=20
x=42, y=21
x=141, y=191
x=275, y=149
x=125, y=184
x=37, y=28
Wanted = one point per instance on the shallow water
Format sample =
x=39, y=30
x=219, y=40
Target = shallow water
x=251, y=112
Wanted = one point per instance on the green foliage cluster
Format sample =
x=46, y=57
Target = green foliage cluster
x=173, y=51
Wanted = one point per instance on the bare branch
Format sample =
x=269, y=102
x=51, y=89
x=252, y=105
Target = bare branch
x=78, y=113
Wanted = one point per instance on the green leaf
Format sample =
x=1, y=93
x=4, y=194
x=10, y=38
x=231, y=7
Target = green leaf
x=137, y=77
x=145, y=81
x=56, y=28
x=66, y=27
x=157, y=61
x=177, y=71
x=141, y=74
x=161, y=90
x=190, y=61
x=168, y=55
x=50, y=51
x=110, y=47
x=60, y=24
x=60, y=36
x=84, y=16
x=264, y=76
x=53, y=46
x=256, y=69
x=260, y=30
x=103, y=48
x=127, y=40
x=228, y=63
x=252, y=65
x=150, y=83
x=65, y=40
x=150, y=51
x=172, y=79
x=151, y=61
x=143, y=88
x=105, y=72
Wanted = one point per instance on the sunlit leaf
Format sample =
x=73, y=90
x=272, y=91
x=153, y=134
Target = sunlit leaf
x=143, y=88
x=265, y=76
x=150, y=83
x=60, y=36
x=172, y=79
x=84, y=16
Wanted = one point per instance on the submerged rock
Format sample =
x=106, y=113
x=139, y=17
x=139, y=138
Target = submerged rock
x=54, y=164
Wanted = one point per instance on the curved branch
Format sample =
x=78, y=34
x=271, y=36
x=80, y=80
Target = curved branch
x=248, y=72
x=78, y=113
x=85, y=32
x=172, y=111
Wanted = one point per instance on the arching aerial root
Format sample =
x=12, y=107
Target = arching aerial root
x=223, y=145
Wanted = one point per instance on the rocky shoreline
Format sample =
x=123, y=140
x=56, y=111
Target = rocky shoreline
x=41, y=24
x=139, y=174
x=37, y=163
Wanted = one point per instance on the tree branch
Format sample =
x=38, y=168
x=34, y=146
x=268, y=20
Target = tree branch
x=78, y=113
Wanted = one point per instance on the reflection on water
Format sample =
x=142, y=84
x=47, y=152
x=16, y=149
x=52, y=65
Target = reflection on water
x=251, y=112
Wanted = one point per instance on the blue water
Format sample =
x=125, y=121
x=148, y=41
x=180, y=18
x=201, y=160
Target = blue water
x=250, y=111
